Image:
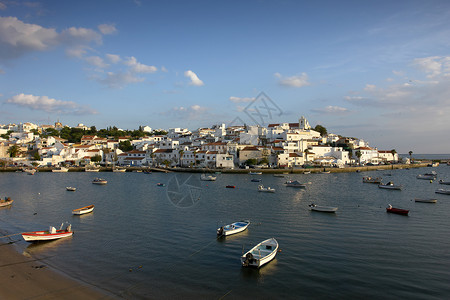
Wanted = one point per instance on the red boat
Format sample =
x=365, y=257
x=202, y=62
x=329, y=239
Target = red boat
x=398, y=211
x=230, y=186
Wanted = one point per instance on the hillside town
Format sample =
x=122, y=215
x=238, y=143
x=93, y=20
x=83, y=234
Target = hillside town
x=283, y=145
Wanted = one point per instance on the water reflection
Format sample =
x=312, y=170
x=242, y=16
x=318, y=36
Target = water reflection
x=45, y=247
x=258, y=274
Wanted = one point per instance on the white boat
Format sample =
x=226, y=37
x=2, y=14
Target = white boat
x=91, y=169
x=205, y=177
x=268, y=189
x=60, y=170
x=369, y=179
x=295, y=183
x=427, y=176
x=30, y=171
x=390, y=186
x=278, y=175
x=442, y=191
x=260, y=254
x=51, y=234
x=99, y=181
x=6, y=202
x=255, y=173
x=425, y=200
x=83, y=210
x=119, y=169
x=233, y=228
x=329, y=209
x=71, y=188
x=444, y=182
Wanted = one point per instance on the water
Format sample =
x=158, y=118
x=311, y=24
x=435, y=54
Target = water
x=140, y=243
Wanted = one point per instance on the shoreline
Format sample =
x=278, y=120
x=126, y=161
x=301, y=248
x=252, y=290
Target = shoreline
x=24, y=277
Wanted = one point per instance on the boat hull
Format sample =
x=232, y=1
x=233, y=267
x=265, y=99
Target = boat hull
x=397, y=211
x=37, y=236
x=6, y=203
x=233, y=228
x=261, y=254
x=441, y=191
x=327, y=209
x=83, y=210
x=425, y=200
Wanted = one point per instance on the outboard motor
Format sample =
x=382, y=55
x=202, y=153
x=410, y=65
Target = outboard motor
x=248, y=259
x=220, y=231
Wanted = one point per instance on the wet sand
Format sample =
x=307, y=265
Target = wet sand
x=23, y=277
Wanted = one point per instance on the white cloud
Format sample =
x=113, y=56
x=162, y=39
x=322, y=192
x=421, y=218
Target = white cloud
x=293, y=81
x=74, y=35
x=49, y=105
x=331, y=110
x=241, y=100
x=18, y=38
x=163, y=69
x=119, y=79
x=193, y=112
x=370, y=87
x=433, y=65
x=194, y=78
x=113, y=58
x=107, y=28
x=2, y=6
x=96, y=61
x=137, y=67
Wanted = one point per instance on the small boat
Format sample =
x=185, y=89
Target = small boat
x=390, y=186
x=268, y=189
x=435, y=164
x=233, y=228
x=71, y=188
x=325, y=172
x=91, y=169
x=119, y=169
x=160, y=184
x=205, y=177
x=307, y=172
x=255, y=173
x=295, y=183
x=442, y=191
x=444, y=182
x=369, y=179
x=328, y=209
x=278, y=175
x=48, y=235
x=256, y=180
x=398, y=211
x=260, y=254
x=99, y=181
x=427, y=176
x=230, y=186
x=6, y=202
x=425, y=200
x=83, y=210
x=30, y=171
x=60, y=170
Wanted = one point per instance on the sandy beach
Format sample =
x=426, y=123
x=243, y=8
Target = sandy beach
x=26, y=278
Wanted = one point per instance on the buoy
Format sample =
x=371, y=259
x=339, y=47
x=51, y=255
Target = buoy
x=431, y=181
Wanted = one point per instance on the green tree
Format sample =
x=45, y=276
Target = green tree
x=51, y=132
x=125, y=146
x=96, y=158
x=13, y=151
x=251, y=161
x=166, y=163
x=322, y=130
x=36, y=156
x=359, y=154
x=264, y=161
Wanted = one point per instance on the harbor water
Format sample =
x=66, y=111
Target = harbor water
x=149, y=241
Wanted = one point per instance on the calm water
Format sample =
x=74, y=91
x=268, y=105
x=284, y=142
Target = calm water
x=145, y=241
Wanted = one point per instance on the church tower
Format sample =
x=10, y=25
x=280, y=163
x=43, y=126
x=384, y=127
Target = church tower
x=303, y=124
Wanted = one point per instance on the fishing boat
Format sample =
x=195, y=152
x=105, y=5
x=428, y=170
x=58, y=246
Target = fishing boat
x=268, y=189
x=205, y=177
x=230, y=186
x=390, y=186
x=71, y=188
x=444, y=182
x=119, y=169
x=255, y=173
x=30, y=171
x=328, y=209
x=398, y=211
x=6, y=202
x=233, y=228
x=60, y=170
x=256, y=180
x=369, y=179
x=91, y=169
x=427, y=176
x=48, y=235
x=260, y=254
x=442, y=191
x=160, y=184
x=295, y=183
x=325, y=172
x=425, y=200
x=99, y=181
x=83, y=210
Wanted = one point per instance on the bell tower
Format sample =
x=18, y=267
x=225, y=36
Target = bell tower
x=303, y=124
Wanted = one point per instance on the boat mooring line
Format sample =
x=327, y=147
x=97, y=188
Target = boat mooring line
x=5, y=236
x=226, y=294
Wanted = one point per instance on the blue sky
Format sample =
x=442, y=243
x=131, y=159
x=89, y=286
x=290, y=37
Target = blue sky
x=376, y=70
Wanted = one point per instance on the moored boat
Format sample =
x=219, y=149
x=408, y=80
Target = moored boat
x=91, y=169
x=83, y=210
x=425, y=200
x=268, y=189
x=48, y=235
x=255, y=173
x=6, y=202
x=233, y=228
x=390, y=186
x=160, y=184
x=99, y=181
x=206, y=177
x=369, y=179
x=30, y=171
x=398, y=211
x=119, y=169
x=71, y=188
x=442, y=191
x=256, y=180
x=230, y=186
x=295, y=183
x=329, y=209
x=60, y=170
x=261, y=254
x=444, y=182
x=427, y=176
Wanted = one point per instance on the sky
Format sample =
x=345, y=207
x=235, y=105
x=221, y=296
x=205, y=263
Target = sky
x=374, y=70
